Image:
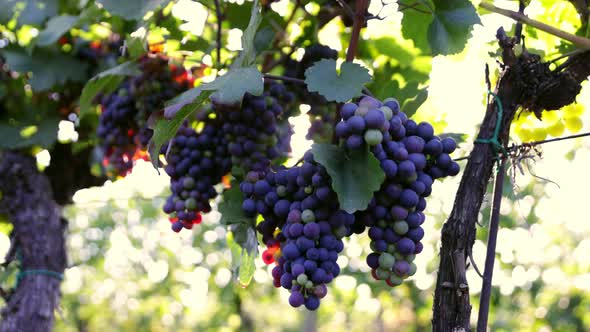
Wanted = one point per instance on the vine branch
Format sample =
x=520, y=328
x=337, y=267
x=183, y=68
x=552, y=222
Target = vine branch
x=357, y=25
x=218, y=32
x=577, y=40
x=486, y=287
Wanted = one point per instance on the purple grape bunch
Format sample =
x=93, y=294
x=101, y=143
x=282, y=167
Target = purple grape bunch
x=300, y=203
x=122, y=128
x=257, y=133
x=411, y=157
x=196, y=163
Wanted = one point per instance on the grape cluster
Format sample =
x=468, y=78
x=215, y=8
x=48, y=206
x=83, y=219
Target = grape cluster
x=122, y=128
x=301, y=215
x=248, y=136
x=411, y=157
x=256, y=131
x=196, y=163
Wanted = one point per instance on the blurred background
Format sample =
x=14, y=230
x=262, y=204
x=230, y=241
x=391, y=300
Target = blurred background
x=128, y=272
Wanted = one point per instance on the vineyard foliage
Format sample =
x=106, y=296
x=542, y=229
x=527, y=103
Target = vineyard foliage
x=238, y=145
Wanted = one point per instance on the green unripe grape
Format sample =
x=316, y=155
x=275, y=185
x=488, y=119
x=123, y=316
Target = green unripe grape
x=373, y=137
x=307, y=216
x=361, y=110
x=410, y=258
x=208, y=154
x=281, y=191
x=302, y=279
x=412, y=270
x=387, y=112
x=400, y=227
x=398, y=256
x=382, y=274
x=308, y=190
x=273, y=140
x=309, y=284
x=395, y=280
x=391, y=248
x=175, y=199
x=190, y=204
x=372, y=246
x=184, y=194
x=341, y=231
x=382, y=223
x=386, y=261
x=188, y=183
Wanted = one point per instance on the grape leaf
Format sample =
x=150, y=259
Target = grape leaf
x=132, y=9
x=55, y=28
x=105, y=82
x=165, y=129
x=355, y=175
x=412, y=105
x=231, y=208
x=231, y=87
x=48, y=68
x=247, y=57
x=244, y=248
x=451, y=27
x=43, y=133
x=136, y=46
x=446, y=30
x=323, y=78
x=35, y=12
x=415, y=25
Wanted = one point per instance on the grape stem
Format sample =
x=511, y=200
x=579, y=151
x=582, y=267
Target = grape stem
x=218, y=36
x=519, y=17
x=357, y=25
x=535, y=143
x=486, y=287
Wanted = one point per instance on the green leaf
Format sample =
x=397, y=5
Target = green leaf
x=231, y=208
x=165, y=129
x=415, y=24
x=355, y=176
x=247, y=57
x=244, y=247
x=451, y=27
x=458, y=137
x=444, y=31
x=232, y=86
x=35, y=12
x=48, y=68
x=105, y=82
x=264, y=39
x=43, y=134
x=411, y=105
x=136, y=46
x=55, y=28
x=323, y=78
x=132, y=9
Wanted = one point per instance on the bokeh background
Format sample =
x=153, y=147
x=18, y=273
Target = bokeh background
x=128, y=272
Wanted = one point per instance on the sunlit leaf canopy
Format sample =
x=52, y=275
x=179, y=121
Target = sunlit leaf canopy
x=129, y=272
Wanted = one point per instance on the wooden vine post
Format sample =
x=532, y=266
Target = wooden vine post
x=524, y=81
